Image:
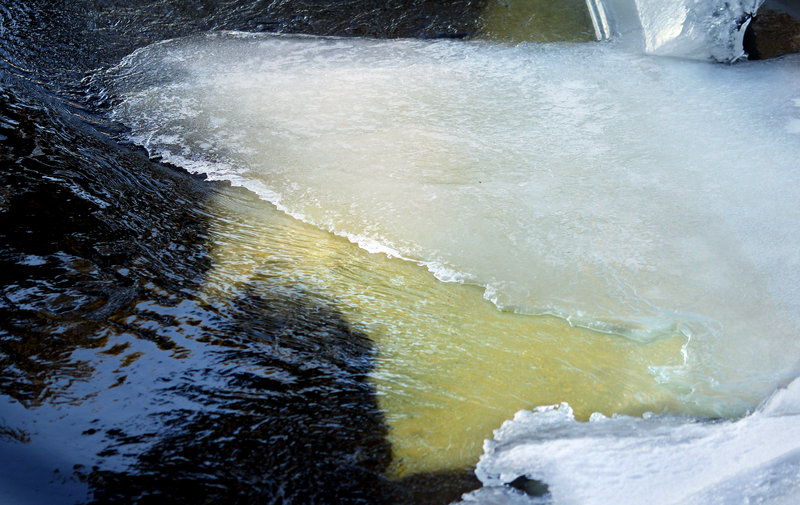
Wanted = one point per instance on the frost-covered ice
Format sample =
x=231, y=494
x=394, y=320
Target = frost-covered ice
x=654, y=460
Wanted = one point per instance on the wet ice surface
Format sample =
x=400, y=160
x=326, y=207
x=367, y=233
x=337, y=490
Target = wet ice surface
x=628, y=194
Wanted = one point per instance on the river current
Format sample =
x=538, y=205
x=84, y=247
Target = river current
x=300, y=267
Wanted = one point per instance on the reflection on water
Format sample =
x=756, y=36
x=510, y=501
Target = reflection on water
x=121, y=381
x=126, y=376
x=267, y=398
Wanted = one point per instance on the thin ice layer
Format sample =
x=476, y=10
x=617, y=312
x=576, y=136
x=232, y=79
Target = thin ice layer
x=637, y=196
x=669, y=461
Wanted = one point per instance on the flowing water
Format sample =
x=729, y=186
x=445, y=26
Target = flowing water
x=587, y=246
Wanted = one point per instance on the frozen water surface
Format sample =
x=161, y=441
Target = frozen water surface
x=643, y=197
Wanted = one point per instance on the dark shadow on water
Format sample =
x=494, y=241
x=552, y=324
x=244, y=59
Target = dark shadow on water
x=120, y=380
x=262, y=399
x=283, y=414
x=286, y=416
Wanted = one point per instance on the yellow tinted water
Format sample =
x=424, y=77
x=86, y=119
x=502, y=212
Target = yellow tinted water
x=450, y=366
x=537, y=21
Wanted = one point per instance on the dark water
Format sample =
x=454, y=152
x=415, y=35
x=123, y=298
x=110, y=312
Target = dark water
x=122, y=381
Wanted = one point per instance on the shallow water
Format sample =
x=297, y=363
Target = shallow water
x=123, y=377
x=449, y=366
x=537, y=21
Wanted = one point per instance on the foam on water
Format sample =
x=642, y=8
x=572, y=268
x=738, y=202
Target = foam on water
x=667, y=460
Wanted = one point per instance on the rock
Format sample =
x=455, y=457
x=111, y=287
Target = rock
x=772, y=33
